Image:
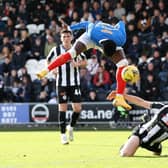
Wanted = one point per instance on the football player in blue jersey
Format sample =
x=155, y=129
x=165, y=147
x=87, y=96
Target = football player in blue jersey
x=108, y=37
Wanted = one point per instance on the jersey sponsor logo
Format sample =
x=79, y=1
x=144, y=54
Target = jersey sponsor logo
x=106, y=31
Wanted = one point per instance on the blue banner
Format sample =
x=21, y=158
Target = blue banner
x=14, y=113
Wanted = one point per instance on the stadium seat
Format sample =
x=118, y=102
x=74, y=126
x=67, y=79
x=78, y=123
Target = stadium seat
x=33, y=66
x=41, y=28
x=35, y=29
x=32, y=28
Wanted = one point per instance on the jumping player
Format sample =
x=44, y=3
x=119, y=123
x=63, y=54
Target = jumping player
x=108, y=37
x=151, y=133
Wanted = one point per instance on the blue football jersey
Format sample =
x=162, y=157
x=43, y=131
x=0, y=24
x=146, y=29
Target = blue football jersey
x=100, y=31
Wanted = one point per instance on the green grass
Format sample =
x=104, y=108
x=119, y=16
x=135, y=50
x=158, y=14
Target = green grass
x=91, y=149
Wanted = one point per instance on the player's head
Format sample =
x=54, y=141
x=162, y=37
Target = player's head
x=109, y=47
x=66, y=36
x=114, y=20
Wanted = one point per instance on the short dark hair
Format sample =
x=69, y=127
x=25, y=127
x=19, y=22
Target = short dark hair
x=66, y=31
x=114, y=20
x=109, y=47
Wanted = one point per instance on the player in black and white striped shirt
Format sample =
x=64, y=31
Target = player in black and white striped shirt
x=150, y=134
x=68, y=84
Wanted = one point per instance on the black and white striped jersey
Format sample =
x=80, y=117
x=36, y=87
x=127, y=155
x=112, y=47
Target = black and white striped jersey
x=155, y=130
x=67, y=75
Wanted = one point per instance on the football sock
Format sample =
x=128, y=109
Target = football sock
x=61, y=59
x=121, y=84
x=74, y=118
x=62, y=121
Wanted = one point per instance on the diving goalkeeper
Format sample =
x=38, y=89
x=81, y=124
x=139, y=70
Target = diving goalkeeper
x=109, y=37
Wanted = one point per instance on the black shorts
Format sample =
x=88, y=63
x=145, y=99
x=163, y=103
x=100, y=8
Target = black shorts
x=156, y=147
x=69, y=93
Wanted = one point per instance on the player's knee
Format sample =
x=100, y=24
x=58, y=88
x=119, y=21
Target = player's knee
x=125, y=153
x=80, y=47
x=109, y=47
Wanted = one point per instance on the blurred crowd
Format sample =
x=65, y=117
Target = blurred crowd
x=30, y=28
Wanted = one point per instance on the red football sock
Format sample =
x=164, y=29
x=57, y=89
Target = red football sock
x=62, y=59
x=121, y=84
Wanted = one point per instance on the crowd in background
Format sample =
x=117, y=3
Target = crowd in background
x=146, y=46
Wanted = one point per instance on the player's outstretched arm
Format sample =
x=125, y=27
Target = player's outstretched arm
x=80, y=25
x=138, y=101
x=132, y=99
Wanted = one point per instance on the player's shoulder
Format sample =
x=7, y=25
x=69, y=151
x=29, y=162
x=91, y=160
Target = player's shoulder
x=157, y=105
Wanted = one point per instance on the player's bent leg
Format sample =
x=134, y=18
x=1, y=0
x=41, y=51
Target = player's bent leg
x=155, y=148
x=119, y=59
x=130, y=147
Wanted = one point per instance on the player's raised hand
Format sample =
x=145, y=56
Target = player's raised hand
x=63, y=24
x=111, y=95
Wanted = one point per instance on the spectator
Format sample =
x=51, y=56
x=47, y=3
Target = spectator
x=42, y=97
x=134, y=50
x=142, y=66
x=138, y=8
x=28, y=89
x=105, y=9
x=6, y=67
x=6, y=53
x=19, y=57
x=119, y=11
x=92, y=96
x=162, y=8
x=163, y=74
x=85, y=85
x=96, y=9
x=49, y=44
x=101, y=80
x=25, y=41
x=37, y=49
x=149, y=7
x=144, y=23
x=160, y=26
x=131, y=31
x=156, y=61
x=70, y=9
x=53, y=98
x=150, y=88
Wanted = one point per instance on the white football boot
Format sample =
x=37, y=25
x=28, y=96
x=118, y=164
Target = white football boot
x=70, y=132
x=64, y=139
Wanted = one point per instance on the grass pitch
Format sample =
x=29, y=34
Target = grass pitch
x=91, y=149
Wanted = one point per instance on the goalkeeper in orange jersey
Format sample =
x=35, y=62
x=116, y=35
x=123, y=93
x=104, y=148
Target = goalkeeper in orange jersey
x=104, y=36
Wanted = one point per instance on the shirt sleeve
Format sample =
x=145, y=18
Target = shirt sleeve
x=52, y=55
x=81, y=25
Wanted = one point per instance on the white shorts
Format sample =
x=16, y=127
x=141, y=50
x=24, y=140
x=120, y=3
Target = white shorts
x=85, y=39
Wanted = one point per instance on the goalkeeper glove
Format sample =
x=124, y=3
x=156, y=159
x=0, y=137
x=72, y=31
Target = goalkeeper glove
x=42, y=73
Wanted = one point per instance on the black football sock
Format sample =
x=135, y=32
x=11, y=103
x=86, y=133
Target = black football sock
x=74, y=118
x=62, y=121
